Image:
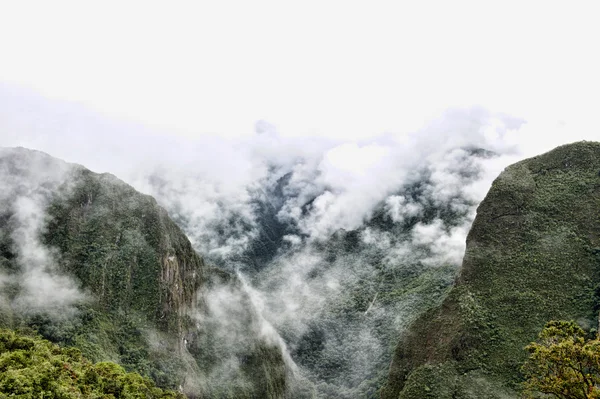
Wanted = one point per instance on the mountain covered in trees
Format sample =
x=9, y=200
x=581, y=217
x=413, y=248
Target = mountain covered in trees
x=88, y=262
x=533, y=255
x=275, y=306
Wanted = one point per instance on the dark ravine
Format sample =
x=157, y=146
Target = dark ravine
x=533, y=254
x=140, y=280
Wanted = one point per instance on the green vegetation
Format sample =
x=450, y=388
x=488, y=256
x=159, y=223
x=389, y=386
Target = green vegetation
x=32, y=367
x=123, y=247
x=563, y=363
x=532, y=255
x=137, y=269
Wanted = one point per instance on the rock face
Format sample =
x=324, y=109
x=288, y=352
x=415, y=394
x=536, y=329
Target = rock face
x=124, y=247
x=87, y=261
x=533, y=254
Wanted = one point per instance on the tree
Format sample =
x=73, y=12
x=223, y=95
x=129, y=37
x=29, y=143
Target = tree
x=563, y=363
x=31, y=367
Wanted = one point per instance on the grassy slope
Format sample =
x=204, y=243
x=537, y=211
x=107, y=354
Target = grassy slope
x=532, y=256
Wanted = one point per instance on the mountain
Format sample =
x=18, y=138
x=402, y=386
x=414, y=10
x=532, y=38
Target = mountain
x=86, y=261
x=532, y=255
x=296, y=296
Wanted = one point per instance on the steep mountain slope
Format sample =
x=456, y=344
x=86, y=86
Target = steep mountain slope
x=87, y=261
x=532, y=255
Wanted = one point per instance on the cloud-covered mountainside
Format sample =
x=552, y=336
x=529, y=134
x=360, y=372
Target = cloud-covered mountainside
x=87, y=261
x=342, y=244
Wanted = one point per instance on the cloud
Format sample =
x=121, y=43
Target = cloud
x=446, y=244
x=29, y=179
x=399, y=208
x=351, y=179
x=43, y=288
x=211, y=70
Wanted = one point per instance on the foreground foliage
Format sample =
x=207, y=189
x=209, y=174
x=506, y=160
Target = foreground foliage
x=563, y=363
x=35, y=368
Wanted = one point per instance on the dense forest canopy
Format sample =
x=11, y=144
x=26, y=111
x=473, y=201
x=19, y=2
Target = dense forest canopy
x=31, y=367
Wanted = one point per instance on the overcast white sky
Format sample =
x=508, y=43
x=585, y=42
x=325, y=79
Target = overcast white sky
x=344, y=69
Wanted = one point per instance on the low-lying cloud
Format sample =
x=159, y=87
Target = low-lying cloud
x=28, y=182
